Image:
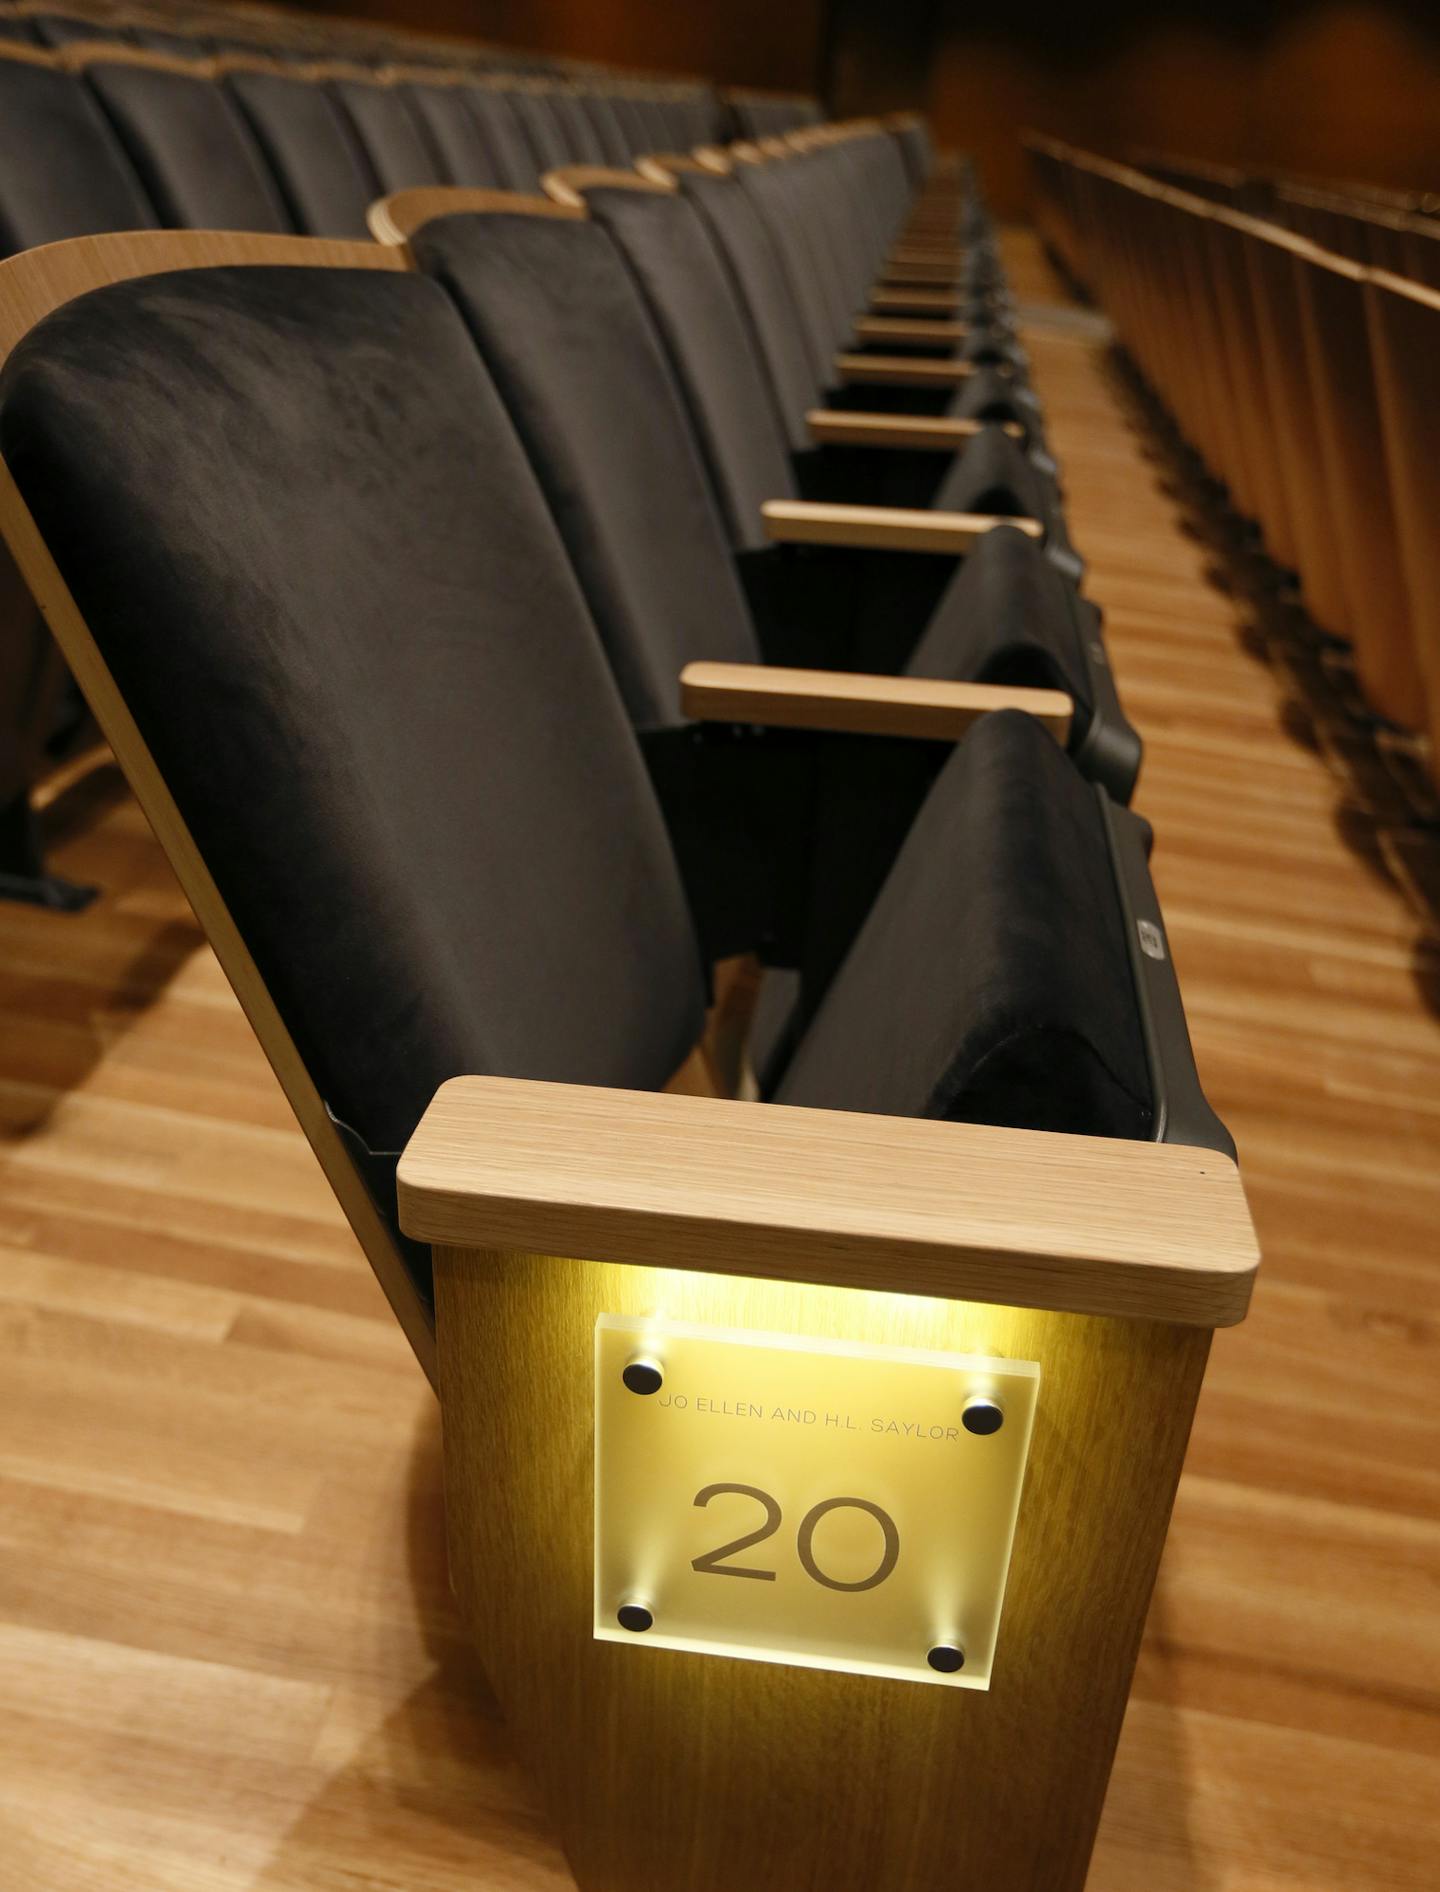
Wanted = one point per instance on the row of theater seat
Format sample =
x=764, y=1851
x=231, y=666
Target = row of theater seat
x=1309, y=385
x=102, y=136
x=506, y=628
x=1396, y=231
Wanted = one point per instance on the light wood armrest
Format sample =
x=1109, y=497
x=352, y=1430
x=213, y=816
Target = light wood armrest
x=849, y=702
x=908, y=328
x=915, y=301
x=841, y=427
x=917, y=249
x=881, y=528
x=1087, y=1225
x=901, y=370
x=943, y=275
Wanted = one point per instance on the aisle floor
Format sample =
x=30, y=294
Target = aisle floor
x=228, y=1657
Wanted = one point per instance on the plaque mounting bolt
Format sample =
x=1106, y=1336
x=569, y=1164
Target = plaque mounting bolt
x=947, y=1657
x=635, y=1616
x=982, y=1415
x=642, y=1374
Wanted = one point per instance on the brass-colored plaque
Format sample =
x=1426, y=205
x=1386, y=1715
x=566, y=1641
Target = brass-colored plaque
x=818, y=1502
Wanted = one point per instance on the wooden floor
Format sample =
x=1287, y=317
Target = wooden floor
x=227, y=1653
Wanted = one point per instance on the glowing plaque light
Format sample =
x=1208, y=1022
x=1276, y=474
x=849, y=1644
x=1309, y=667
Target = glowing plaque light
x=818, y=1502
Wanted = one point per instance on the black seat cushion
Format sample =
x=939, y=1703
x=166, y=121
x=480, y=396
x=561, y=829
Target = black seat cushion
x=319, y=163
x=993, y=474
x=296, y=519
x=1007, y=616
x=711, y=348
x=399, y=153
x=192, y=149
x=563, y=330
x=63, y=172
x=991, y=982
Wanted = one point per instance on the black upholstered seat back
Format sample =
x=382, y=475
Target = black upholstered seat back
x=460, y=147
x=192, y=148
x=1007, y=616
x=991, y=982
x=319, y=163
x=768, y=186
x=747, y=248
x=579, y=134
x=569, y=342
x=711, y=348
x=63, y=172
x=543, y=131
x=399, y=153
x=510, y=151
x=300, y=527
x=601, y=112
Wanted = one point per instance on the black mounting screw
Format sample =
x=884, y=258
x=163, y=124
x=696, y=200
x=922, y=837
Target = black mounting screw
x=634, y=1617
x=982, y=1415
x=947, y=1657
x=643, y=1375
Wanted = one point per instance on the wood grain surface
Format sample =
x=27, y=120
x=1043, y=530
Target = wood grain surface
x=229, y=1657
x=965, y=1211
x=857, y=703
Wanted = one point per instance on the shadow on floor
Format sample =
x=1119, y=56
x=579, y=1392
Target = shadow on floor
x=432, y=1800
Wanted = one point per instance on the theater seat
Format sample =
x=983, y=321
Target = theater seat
x=63, y=171
x=693, y=302
x=564, y=329
x=316, y=159
x=399, y=153
x=189, y=143
x=402, y=792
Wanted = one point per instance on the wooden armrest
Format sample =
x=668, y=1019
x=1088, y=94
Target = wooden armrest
x=881, y=528
x=915, y=301
x=1027, y=1218
x=908, y=328
x=944, y=274
x=916, y=249
x=851, y=703
x=842, y=427
x=901, y=370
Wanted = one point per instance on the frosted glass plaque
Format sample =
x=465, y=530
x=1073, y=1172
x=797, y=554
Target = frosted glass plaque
x=818, y=1502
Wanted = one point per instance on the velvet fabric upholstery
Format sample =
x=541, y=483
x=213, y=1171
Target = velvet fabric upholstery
x=992, y=982
x=563, y=330
x=695, y=309
x=510, y=151
x=192, y=149
x=746, y=247
x=578, y=131
x=601, y=113
x=317, y=160
x=305, y=538
x=461, y=151
x=399, y=153
x=63, y=172
x=992, y=474
x=1008, y=616
x=545, y=136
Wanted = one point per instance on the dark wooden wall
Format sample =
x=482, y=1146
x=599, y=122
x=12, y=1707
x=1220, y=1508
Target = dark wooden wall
x=1329, y=87
x=772, y=43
